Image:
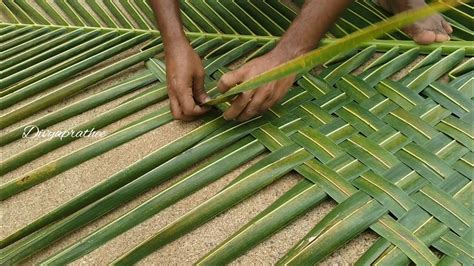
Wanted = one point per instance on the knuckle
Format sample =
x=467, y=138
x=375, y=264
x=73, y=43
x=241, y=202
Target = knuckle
x=224, y=81
x=187, y=110
x=270, y=93
x=252, y=108
x=228, y=115
x=175, y=113
x=248, y=95
x=244, y=117
x=252, y=111
x=265, y=107
x=174, y=90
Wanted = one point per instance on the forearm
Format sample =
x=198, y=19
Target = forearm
x=169, y=21
x=314, y=20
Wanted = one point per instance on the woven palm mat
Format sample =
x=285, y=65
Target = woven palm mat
x=396, y=155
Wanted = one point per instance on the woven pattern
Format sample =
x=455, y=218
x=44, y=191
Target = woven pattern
x=399, y=152
x=396, y=155
x=396, y=149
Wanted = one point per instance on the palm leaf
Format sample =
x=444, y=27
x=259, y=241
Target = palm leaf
x=308, y=61
x=396, y=154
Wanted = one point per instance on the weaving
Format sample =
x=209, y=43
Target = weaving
x=385, y=131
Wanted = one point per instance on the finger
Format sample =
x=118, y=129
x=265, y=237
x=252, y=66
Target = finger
x=188, y=105
x=230, y=79
x=200, y=95
x=238, y=105
x=276, y=96
x=253, y=107
x=268, y=104
x=174, y=106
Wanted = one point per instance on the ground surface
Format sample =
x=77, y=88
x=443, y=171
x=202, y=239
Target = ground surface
x=25, y=207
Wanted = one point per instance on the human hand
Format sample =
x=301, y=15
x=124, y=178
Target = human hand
x=185, y=76
x=254, y=102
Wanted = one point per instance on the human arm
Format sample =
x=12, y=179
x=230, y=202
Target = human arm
x=184, y=70
x=303, y=35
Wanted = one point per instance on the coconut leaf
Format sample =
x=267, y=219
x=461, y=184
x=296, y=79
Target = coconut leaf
x=306, y=62
x=387, y=138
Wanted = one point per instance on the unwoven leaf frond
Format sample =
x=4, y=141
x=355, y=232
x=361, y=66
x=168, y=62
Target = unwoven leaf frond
x=396, y=155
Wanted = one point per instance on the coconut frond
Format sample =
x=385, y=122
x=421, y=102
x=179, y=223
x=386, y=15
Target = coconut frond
x=384, y=129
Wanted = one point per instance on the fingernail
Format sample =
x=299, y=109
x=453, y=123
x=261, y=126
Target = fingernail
x=203, y=100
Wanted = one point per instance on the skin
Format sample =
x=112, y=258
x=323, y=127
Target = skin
x=184, y=70
x=185, y=73
x=251, y=103
x=429, y=30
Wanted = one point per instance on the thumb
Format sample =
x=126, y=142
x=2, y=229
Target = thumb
x=230, y=79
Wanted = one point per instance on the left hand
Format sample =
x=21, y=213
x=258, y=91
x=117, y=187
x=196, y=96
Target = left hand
x=254, y=102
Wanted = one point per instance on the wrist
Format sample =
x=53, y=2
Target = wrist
x=176, y=45
x=288, y=50
x=174, y=38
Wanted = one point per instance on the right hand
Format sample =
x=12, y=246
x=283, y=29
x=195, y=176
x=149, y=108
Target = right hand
x=185, y=76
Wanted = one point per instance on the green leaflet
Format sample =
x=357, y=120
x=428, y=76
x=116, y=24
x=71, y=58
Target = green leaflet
x=69, y=89
x=349, y=218
x=145, y=182
x=66, y=162
x=311, y=59
x=256, y=177
x=348, y=66
x=390, y=195
x=420, y=78
x=98, y=122
x=424, y=226
x=384, y=146
x=288, y=207
x=133, y=83
x=389, y=55
x=118, y=180
x=405, y=240
x=41, y=52
x=118, y=44
x=442, y=205
x=386, y=70
x=455, y=247
x=230, y=158
x=429, y=59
